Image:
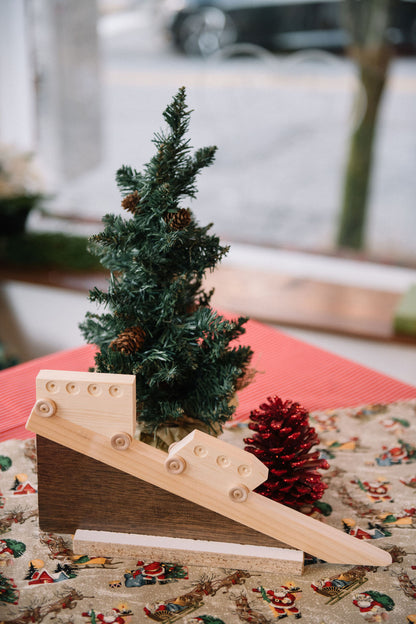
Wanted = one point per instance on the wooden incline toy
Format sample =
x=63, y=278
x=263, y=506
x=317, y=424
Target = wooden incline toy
x=96, y=479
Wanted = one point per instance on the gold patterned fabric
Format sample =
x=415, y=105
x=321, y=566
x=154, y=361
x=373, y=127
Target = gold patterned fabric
x=371, y=494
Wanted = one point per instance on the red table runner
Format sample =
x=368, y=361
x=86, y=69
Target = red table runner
x=287, y=367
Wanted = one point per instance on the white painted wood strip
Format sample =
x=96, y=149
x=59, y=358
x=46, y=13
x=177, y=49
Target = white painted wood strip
x=188, y=551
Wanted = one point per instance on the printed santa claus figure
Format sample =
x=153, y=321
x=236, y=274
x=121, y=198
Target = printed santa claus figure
x=393, y=456
x=145, y=574
x=151, y=571
x=6, y=553
x=373, y=605
x=113, y=616
x=282, y=601
x=10, y=549
x=377, y=491
x=394, y=425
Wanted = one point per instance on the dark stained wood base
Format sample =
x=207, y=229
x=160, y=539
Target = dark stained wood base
x=77, y=492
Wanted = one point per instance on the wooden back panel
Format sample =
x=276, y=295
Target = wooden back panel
x=78, y=492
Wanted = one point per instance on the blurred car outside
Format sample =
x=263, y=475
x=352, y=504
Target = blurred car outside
x=203, y=27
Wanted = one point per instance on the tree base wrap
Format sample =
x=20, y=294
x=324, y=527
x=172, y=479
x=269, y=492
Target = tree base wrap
x=170, y=433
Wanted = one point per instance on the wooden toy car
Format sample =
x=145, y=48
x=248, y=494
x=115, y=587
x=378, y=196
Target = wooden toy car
x=235, y=471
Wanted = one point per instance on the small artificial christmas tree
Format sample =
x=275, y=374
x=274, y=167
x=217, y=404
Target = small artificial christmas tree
x=283, y=442
x=158, y=324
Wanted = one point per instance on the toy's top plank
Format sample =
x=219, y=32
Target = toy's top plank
x=87, y=377
x=257, y=512
x=103, y=402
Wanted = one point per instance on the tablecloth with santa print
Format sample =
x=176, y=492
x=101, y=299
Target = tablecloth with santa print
x=371, y=494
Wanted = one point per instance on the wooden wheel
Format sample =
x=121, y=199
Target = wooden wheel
x=238, y=493
x=120, y=441
x=45, y=408
x=175, y=465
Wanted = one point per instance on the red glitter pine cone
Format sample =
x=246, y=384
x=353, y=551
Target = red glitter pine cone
x=283, y=442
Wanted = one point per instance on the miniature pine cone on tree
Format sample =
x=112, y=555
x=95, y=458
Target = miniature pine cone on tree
x=131, y=202
x=283, y=442
x=180, y=219
x=129, y=341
